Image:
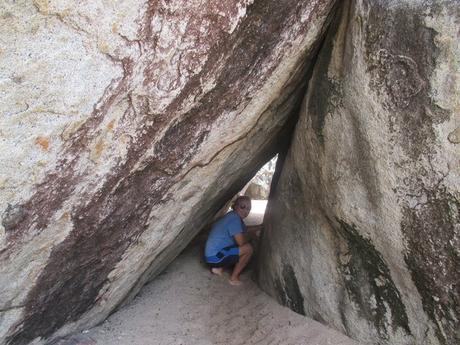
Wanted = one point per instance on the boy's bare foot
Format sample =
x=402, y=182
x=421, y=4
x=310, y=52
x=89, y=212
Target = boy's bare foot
x=217, y=271
x=235, y=282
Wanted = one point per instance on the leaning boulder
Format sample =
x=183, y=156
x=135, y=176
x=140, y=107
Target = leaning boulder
x=124, y=127
x=363, y=232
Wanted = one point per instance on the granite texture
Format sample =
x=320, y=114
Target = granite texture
x=124, y=127
x=363, y=228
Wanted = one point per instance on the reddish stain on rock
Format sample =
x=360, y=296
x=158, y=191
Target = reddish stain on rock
x=111, y=125
x=107, y=224
x=43, y=142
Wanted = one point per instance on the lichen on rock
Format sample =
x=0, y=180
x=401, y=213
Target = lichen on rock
x=373, y=232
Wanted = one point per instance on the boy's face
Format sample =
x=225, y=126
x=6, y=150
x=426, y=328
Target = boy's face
x=243, y=208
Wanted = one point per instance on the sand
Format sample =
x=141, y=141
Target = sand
x=187, y=305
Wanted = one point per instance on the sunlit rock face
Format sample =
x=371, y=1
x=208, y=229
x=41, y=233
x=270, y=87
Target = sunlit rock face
x=124, y=126
x=363, y=229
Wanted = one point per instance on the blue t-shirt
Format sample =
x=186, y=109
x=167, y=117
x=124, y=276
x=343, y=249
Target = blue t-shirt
x=222, y=233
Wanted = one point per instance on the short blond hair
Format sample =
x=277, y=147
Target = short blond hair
x=239, y=200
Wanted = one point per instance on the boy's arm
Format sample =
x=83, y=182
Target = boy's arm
x=254, y=228
x=240, y=239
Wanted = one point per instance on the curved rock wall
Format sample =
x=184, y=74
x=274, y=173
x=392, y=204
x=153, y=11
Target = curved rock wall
x=363, y=231
x=124, y=127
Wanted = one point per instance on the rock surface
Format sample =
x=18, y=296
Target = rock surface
x=363, y=232
x=124, y=127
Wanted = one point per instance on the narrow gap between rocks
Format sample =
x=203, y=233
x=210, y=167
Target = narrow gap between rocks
x=188, y=305
x=258, y=189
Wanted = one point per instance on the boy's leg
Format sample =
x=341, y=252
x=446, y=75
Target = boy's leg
x=231, y=256
x=245, y=255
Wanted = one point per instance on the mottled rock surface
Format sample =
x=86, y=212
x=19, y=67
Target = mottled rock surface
x=124, y=127
x=363, y=232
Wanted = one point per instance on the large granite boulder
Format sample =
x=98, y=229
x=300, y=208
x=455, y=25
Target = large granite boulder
x=363, y=232
x=124, y=127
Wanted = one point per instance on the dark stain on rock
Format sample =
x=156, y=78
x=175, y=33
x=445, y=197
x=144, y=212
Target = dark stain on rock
x=106, y=224
x=278, y=286
x=12, y=217
x=289, y=291
x=369, y=284
x=58, y=185
x=77, y=339
x=318, y=317
x=432, y=234
x=294, y=298
x=402, y=55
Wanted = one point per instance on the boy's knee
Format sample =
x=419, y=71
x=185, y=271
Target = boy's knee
x=247, y=249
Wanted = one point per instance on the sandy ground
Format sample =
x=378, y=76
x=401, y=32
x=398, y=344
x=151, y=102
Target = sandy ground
x=186, y=305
